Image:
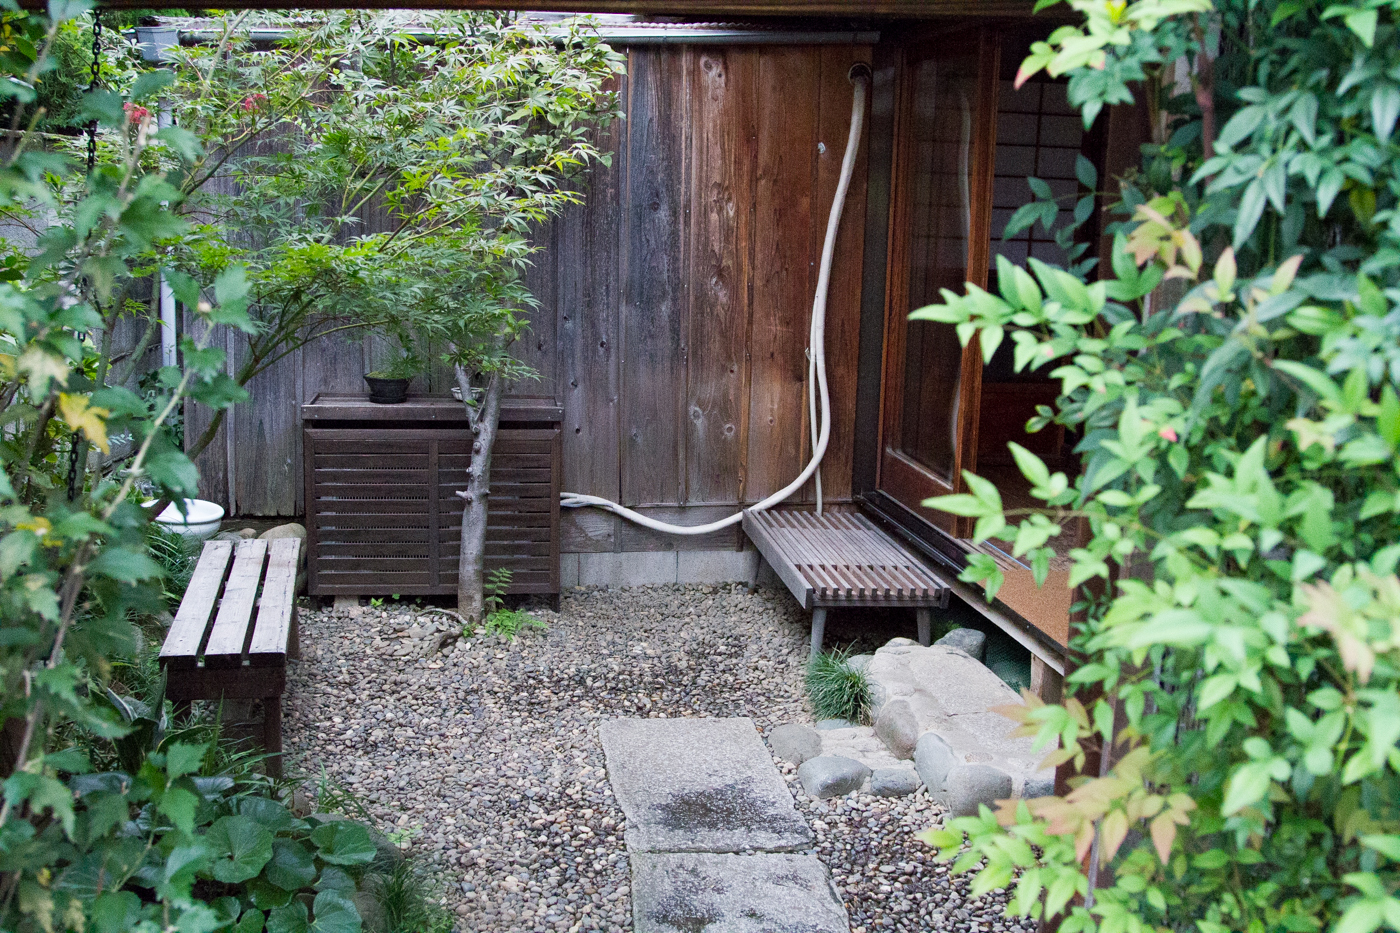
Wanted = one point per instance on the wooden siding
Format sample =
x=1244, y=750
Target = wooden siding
x=674, y=304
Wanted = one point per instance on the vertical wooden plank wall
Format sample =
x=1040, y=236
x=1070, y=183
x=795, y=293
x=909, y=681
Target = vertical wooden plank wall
x=674, y=304
x=655, y=290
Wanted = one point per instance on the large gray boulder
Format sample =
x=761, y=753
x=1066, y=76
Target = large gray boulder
x=968, y=640
x=968, y=786
x=289, y=530
x=795, y=743
x=898, y=728
x=831, y=776
x=893, y=782
x=953, y=695
x=933, y=759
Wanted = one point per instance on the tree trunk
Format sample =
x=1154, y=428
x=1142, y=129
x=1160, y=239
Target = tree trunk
x=472, y=560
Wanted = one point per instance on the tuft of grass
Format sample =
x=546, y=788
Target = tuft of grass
x=177, y=556
x=408, y=902
x=838, y=691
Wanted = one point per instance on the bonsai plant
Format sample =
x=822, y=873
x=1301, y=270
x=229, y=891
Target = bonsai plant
x=388, y=384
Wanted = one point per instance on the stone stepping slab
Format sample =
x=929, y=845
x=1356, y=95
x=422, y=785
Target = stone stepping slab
x=723, y=893
x=700, y=785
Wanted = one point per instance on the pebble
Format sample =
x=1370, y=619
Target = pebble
x=482, y=759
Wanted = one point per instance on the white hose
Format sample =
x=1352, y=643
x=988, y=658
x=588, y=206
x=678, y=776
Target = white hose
x=817, y=350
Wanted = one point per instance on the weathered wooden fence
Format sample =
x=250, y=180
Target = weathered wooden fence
x=674, y=304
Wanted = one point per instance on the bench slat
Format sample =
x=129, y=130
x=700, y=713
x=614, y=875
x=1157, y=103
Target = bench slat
x=181, y=647
x=278, y=602
x=230, y=632
x=841, y=559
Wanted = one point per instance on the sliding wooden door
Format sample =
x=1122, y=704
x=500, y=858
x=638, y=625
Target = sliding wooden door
x=945, y=135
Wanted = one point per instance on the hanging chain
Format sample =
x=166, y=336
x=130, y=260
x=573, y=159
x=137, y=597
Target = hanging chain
x=92, y=86
x=75, y=450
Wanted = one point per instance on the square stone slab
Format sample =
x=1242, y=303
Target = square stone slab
x=764, y=893
x=699, y=785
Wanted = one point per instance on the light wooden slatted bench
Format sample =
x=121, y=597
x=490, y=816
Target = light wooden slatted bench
x=842, y=560
x=231, y=654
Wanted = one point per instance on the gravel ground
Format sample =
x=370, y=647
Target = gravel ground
x=486, y=755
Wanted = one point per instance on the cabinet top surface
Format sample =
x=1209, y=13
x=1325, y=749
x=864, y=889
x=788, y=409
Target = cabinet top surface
x=441, y=408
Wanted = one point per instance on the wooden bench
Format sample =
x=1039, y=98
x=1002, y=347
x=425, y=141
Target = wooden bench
x=842, y=560
x=231, y=654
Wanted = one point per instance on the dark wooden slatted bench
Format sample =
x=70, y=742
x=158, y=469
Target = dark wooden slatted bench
x=841, y=559
x=233, y=654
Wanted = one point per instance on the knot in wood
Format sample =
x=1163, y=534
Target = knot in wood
x=463, y=494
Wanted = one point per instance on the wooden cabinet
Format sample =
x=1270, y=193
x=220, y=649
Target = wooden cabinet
x=382, y=514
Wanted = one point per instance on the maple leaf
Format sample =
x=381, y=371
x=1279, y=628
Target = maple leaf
x=42, y=367
x=81, y=415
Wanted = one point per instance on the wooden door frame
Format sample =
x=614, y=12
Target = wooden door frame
x=896, y=473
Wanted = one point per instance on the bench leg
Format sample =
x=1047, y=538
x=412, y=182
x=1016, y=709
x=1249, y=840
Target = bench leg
x=294, y=637
x=272, y=735
x=757, y=573
x=924, y=617
x=818, y=630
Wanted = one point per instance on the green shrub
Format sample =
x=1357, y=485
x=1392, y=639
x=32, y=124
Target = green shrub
x=509, y=623
x=837, y=690
x=1240, y=656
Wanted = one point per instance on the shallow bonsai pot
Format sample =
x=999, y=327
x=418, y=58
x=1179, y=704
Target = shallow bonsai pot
x=200, y=521
x=387, y=391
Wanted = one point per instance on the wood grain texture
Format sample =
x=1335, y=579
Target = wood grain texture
x=277, y=604
x=266, y=443
x=640, y=538
x=186, y=635
x=230, y=632
x=588, y=261
x=654, y=277
x=843, y=294
x=538, y=348
x=782, y=275
x=723, y=157
x=213, y=461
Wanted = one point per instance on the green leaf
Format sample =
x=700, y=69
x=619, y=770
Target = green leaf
x=270, y=814
x=1389, y=846
x=43, y=794
x=182, y=758
x=291, y=867
x=1248, y=785
x=1085, y=171
x=1385, y=108
x=126, y=566
x=180, y=805
x=1240, y=126
x=1363, y=23
x=334, y=912
x=1251, y=208
x=242, y=848
x=343, y=842
x=289, y=919
x=251, y=922
x=149, y=82
x=1031, y=466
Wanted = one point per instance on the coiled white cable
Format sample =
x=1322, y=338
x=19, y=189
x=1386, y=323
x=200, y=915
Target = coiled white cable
x=816, y=367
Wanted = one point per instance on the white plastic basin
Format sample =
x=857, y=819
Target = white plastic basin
x=200, y=521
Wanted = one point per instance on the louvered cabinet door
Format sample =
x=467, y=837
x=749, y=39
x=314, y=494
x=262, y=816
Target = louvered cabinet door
x=383, y=516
